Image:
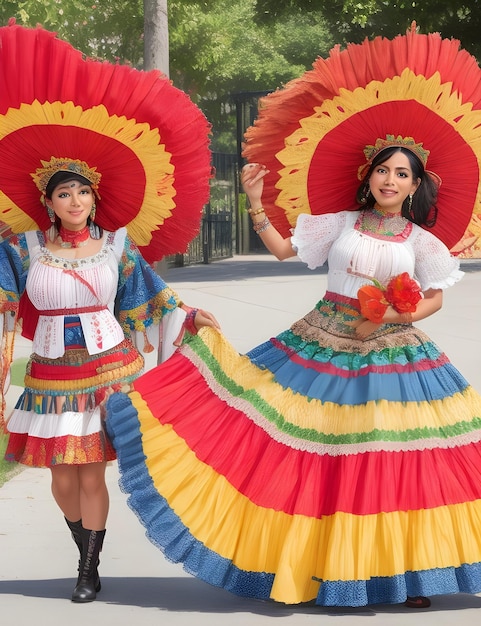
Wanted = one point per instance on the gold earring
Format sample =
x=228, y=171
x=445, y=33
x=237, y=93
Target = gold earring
x=92, y=212
x=366, y=192
x=410, y=203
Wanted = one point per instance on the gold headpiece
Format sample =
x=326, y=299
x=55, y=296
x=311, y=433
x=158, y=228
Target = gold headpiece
x=43, y=174
x=404, y=142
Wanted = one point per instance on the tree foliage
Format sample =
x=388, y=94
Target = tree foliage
x=105, y=29
x=354, y=20
x=223, y=47
x=220, y=50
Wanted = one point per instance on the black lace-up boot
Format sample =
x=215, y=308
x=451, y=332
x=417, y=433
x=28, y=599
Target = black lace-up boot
x=92, y=541
x=76, y=530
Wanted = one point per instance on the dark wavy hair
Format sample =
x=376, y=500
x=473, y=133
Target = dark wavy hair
x=423, y=210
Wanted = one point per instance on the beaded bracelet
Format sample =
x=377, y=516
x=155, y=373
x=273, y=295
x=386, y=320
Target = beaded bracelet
x=256, y=212
x=260, y=227
x=189, y=324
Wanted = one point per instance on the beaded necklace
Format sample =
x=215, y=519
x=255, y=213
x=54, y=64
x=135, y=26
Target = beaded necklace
x=384, y=225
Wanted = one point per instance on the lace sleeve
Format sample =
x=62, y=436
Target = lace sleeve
x=314, y=234
x=435, y=267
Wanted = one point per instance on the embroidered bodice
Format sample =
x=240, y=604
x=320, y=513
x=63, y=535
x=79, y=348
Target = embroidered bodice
x=84, y=287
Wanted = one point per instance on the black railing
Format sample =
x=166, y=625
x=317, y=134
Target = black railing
x=216, y=239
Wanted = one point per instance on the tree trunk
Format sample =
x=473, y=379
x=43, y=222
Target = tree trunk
x=156, y=56
x=156, y=36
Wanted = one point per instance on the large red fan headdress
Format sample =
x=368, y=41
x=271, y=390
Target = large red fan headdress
x=312, y=134
x=146, y=139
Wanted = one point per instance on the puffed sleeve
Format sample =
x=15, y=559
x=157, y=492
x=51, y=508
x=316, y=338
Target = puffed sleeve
x=435, y=266
x=145, y=304
x=314, y=235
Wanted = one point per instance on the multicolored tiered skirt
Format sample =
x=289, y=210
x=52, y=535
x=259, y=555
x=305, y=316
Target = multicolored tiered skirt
x=316, y=467
x=58, y=419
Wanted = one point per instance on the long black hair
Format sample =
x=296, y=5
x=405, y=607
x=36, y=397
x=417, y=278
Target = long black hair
x=423, y=210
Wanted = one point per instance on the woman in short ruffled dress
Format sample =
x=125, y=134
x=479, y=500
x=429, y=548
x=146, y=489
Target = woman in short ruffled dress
x=91, y=305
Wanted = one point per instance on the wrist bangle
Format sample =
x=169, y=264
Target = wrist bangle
x=189, y=322
x=256, y=211
x=260, y=227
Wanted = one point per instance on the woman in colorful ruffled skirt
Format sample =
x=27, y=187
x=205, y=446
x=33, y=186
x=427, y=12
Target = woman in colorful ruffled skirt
x=340, y=461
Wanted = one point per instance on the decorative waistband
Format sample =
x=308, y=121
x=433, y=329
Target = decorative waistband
x=338, y=299
x=76, y=311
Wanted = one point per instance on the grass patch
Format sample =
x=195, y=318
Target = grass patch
x=7, y=470
x=17, y=371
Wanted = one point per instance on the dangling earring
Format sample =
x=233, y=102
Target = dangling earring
x=51, y=213
x=93, y=228
x=410, y=202
x=366, y=192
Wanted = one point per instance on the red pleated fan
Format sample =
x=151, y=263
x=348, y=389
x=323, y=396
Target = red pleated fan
x=311, y=134
x=146, y=137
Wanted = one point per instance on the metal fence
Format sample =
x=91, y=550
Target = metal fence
x=225, y=228
x=216, y=239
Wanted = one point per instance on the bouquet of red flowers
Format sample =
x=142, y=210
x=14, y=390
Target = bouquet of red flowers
x=402, y=293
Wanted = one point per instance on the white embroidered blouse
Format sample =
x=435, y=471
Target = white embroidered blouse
x=354, y=256
x=84, y=287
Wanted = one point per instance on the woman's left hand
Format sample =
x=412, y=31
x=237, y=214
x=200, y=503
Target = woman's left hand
x=194, y=321
x=204, y=318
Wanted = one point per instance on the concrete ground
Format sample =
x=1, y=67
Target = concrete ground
x=253, y=297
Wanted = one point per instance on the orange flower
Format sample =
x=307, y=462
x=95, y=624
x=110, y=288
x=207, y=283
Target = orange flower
x=402, y=293
x=373, y=303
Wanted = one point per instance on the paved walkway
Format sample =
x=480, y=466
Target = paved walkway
x=253, y=297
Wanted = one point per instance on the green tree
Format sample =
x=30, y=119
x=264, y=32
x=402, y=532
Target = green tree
x=217, y=49
x=353, y=20
x=106, y=29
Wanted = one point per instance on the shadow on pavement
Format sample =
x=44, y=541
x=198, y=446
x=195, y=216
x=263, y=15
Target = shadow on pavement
x=192, y=595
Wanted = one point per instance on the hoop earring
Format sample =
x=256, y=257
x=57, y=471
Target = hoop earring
x=92, y=212
x=51, y=213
